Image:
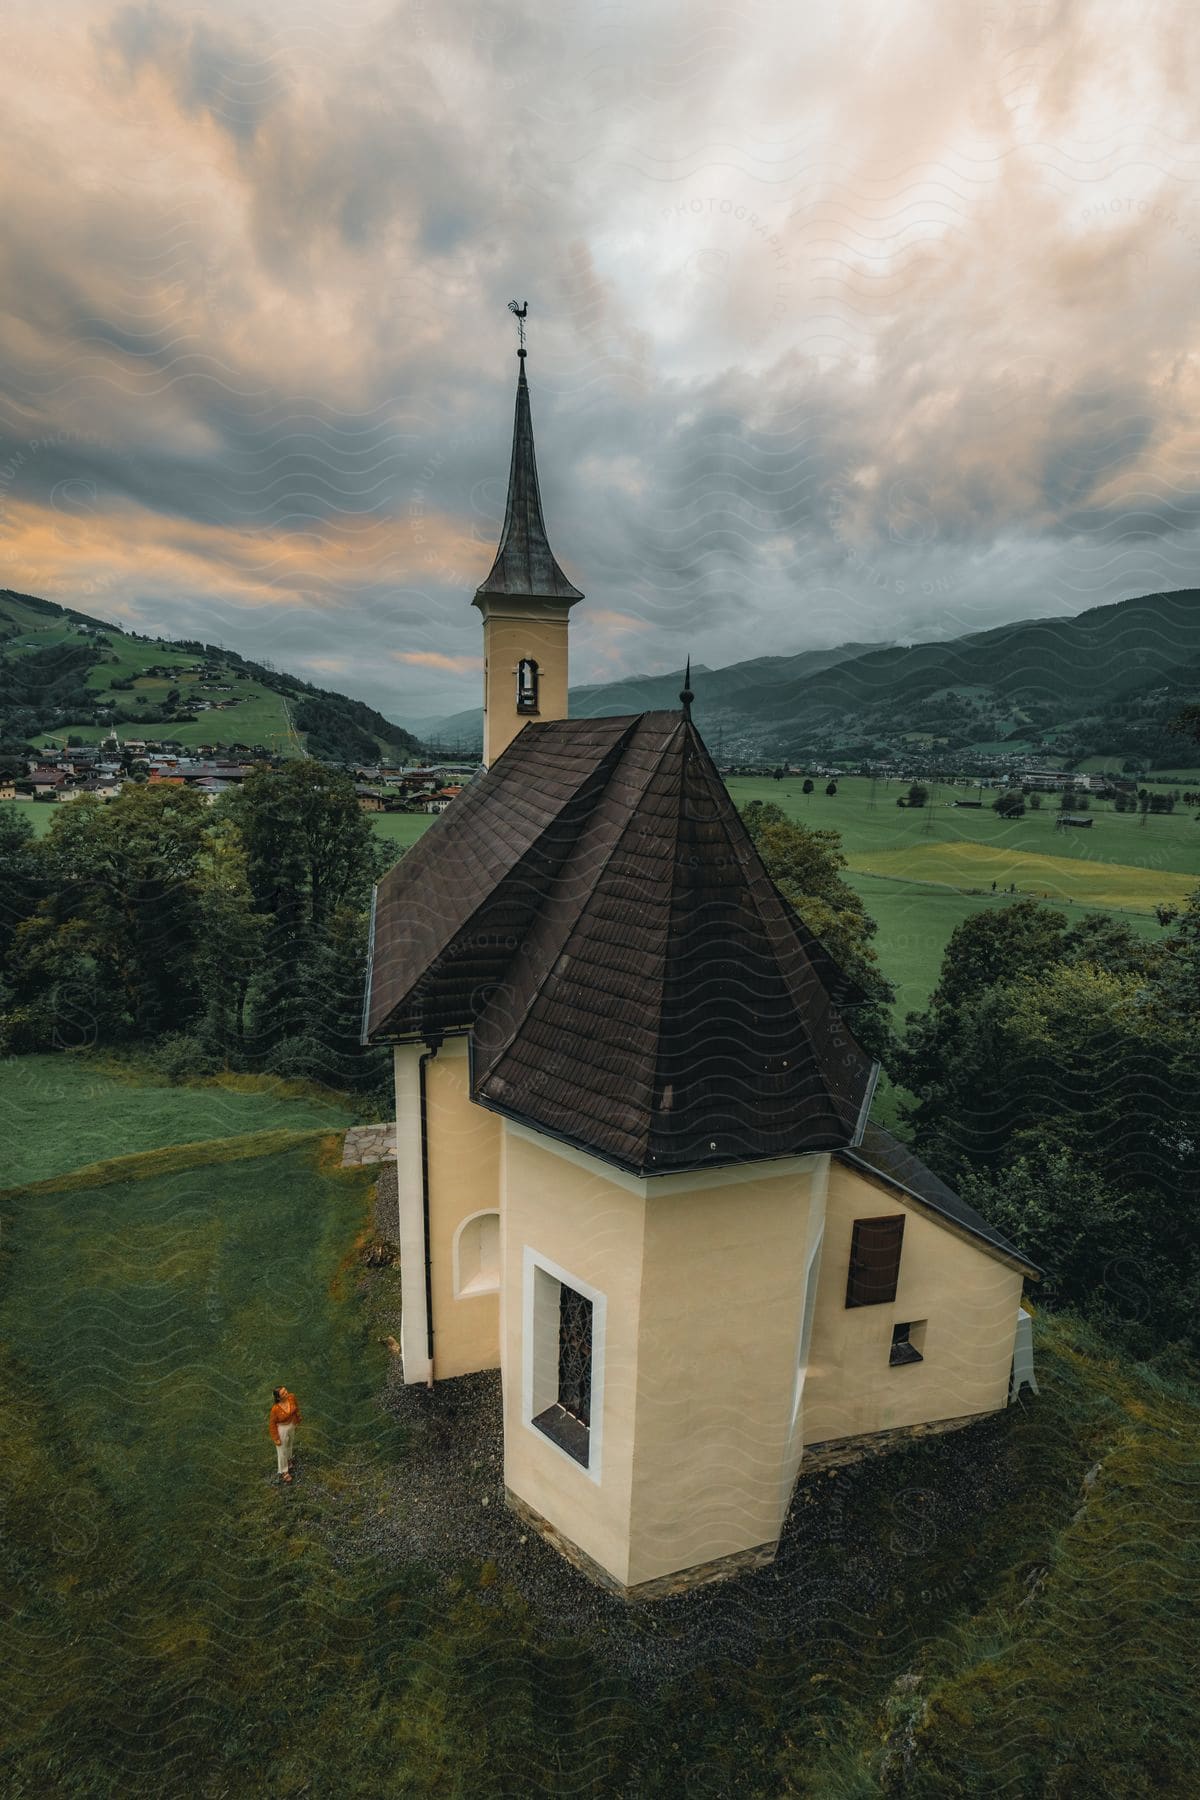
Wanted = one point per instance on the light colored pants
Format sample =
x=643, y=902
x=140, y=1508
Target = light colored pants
x=283, y=1450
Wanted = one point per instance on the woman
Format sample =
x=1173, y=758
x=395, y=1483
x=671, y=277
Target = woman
x=284, y=1418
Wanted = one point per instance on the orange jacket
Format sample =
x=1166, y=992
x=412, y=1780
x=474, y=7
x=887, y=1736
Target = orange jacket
x=284, y=1412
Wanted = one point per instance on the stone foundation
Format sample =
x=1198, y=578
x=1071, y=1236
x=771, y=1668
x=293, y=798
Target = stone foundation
x=700, y=1575
x=835, y=1453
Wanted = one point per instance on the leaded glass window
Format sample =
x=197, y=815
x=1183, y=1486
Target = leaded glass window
x=575, y=1355
x=568, y=1421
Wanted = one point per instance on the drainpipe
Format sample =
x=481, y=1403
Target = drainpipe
x=434, y=1047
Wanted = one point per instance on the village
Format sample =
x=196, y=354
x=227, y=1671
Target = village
x=58, y=776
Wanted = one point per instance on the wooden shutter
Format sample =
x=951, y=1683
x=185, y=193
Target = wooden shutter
x=874, y=1260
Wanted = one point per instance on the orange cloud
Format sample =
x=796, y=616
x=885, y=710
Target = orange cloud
x=126, y=550
x=433, y=659
x=604, y=620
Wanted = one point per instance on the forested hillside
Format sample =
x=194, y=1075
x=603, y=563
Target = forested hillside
x=1105, y=682
x=64, y=673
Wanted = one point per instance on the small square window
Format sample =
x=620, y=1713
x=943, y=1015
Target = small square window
x=906, y=1343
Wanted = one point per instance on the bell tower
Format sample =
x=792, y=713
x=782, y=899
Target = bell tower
x=525, y=600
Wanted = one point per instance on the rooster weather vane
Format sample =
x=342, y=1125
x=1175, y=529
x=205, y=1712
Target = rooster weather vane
x=519, y=313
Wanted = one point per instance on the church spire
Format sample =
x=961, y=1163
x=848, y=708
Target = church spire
x=525, y=563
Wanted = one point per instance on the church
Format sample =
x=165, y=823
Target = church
x=637, y=1169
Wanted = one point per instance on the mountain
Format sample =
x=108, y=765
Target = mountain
x=1104, y=682
x=64, y=673
x=722, y=695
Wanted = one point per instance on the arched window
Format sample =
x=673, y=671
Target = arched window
x=477, y=1255
x=527, y=685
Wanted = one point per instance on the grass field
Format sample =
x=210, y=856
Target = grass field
x=261, y=719
x=172, y=1622
x=155, y=1602
x=1167, y=842
x=59, y=1112
x=402, y=829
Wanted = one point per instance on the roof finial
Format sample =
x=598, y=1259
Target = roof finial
x=686, y=696
x=519, y=313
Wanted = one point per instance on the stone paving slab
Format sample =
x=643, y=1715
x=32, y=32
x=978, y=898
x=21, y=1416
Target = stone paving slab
x=369, y=1144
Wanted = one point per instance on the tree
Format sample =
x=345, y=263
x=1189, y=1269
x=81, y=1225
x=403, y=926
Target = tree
x=917, y=794
x=230, y=941
x=109, y=951
x=1010, y=804
x=831, y=788
x=1035, y=801
x=310, y=854
x=1079, y=1229
x=954, y=1057
x=807, y=786
x=1187, y=723
x=311, y=849
x=806, y=867
x=1058, y=1082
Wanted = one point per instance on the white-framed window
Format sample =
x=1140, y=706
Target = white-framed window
x=477, y=1256
x=563, y=1321
x=806, y=1324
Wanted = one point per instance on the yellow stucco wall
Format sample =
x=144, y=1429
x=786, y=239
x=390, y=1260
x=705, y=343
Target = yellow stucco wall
x=507, y=638
x=969, y=1298
x=723, y=1282
x=591, y=1227
x=703, y=1287
x=464, y=1179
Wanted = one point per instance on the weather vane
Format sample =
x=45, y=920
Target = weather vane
x=519, y=313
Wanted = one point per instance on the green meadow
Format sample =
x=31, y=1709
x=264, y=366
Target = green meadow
x=59, y=1112
x=173, y=1622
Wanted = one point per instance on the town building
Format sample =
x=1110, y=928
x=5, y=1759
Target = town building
x=636, y=1166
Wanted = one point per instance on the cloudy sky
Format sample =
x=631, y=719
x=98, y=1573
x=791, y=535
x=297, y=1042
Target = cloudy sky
x=861, y=321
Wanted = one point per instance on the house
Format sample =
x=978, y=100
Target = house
x=98, y=787
x=211, y=787
x=47, y=783
x=369, y=798
x=8, y=788
x=439, y=801
x=1082, y=821
x=636, y=1168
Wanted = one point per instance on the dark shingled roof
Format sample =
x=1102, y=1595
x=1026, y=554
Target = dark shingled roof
x=594, y=911
x=883, y=1155
x=525, y=562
